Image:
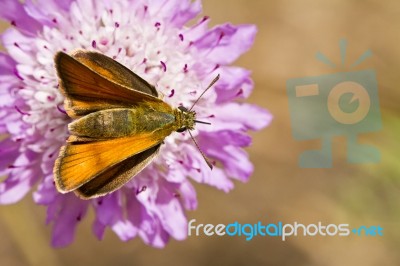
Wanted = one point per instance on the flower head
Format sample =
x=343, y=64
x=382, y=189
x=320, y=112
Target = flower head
x=150, y=38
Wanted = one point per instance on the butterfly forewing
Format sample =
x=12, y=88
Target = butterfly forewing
x=114, y=71
x=87, y=91
x=117, y=175
x=78, y=163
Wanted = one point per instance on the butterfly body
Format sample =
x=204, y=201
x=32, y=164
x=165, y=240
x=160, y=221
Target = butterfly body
x=124, y=122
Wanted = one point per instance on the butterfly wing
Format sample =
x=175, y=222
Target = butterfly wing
x=114, y=71
x=117, y=175
x=81, y=162
x=92, y=86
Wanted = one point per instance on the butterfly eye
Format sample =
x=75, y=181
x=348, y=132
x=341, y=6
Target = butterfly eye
x=183, y=109
x=182, y=129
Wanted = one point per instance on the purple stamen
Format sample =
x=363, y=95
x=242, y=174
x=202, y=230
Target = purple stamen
x=143, y=189
x=221, y=35
x=164, y=66
x=61, y=110
x=157, y=24
x=240, y=92
x=54, y=20
x=172, y=93
x=181, y=37
x=94, y=45
x=185, y=68
x=204, y=19
x=116, y=24
x=17, y=74
x=13, y=23
x=21, y=112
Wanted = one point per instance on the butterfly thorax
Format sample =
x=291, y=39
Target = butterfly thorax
x=184, y=119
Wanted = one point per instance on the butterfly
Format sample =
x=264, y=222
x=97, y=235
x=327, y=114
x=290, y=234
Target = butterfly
x=119, y=123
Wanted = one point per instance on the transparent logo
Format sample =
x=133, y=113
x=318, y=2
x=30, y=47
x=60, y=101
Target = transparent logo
x=340, y=104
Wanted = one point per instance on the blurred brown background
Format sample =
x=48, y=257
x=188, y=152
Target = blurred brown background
x=290, y=33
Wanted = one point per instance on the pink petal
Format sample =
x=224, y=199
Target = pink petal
x=235, y=82
x=188, y=195
x=70, y=211
x=224, y=44
x=14, y=12
x=238, y=116
x=178, y=12
x=167, y=203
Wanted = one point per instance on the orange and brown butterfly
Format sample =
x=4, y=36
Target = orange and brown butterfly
x=119, y=123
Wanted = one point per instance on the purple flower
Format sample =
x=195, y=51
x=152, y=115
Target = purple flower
x=150, y=38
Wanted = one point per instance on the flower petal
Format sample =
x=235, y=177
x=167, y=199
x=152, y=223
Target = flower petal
x=238, y=117
x=70, y=211
x=235, y=82
x=178, y=12
x=109, y=212
x=167, y=203
x=21, y=178
x=224, y=44
x=14, y=12
x=188, y=195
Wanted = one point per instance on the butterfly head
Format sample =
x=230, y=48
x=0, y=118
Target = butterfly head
x=187, y=119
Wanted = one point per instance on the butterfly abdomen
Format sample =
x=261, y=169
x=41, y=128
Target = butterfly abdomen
x=116, y=123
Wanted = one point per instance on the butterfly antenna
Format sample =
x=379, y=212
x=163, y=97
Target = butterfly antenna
x=209, y=86
x=205, y=158
x=202, y=122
